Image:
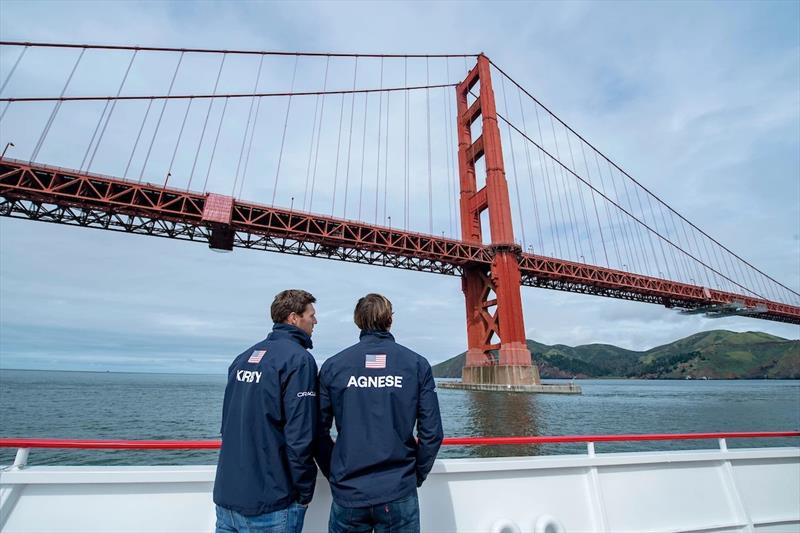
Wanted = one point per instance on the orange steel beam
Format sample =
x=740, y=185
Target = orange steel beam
x=51, y=194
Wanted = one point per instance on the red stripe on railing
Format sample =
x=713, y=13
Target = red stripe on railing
x=451, y=441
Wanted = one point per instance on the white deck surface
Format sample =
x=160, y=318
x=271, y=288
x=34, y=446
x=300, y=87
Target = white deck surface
x=714, y=490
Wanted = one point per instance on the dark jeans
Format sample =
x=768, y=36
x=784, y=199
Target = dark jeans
x=289, y=520
x=398, y=516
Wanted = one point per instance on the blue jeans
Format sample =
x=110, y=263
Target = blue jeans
x=289, y=520
x=398, y=516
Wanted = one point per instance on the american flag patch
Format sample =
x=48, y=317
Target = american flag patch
x=375, y=361
x=256, y=356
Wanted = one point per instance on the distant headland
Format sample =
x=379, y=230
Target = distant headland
x=717, y=354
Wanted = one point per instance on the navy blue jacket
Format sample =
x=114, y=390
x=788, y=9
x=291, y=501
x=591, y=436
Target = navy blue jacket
x=269, y=422
x=377, y=390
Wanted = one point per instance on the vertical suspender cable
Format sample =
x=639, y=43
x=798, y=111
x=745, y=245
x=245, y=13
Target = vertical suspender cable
x=430, y=174
x=647, y=232
x=407, y=162
x=14, y=68
x=247, y=125
x=405, y=145
x=110, y=113
x=634, y=246
x=583, y=204
x=594, y=202
x=311, y=149
x=319, y=134
x=138, y=137
x=628, y=254
x=703, y=258
x=161, y=116
x=448, y=160
x=94, y=134
x=680, y=260
x=338, y=149
x=216, y=141
x=8, y=78
x=363, y=154
x=455, y=193
x=103, y=114
x=665, y=238
x=549, y=203
x=249, y=147
x=514, y=165
x=178, y=141
x=386, y=161
x=283, y=137
x=568, y=199
x=378, y=162
x=692, y=265
x=205, y=122
x=53, y=114
x=350, y=140
x=562, y=173
x=534, y=198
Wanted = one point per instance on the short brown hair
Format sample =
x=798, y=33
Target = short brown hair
x=288, y=302
x=373, y=313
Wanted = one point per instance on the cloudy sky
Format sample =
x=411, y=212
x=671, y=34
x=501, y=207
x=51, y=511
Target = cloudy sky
x=699, y=101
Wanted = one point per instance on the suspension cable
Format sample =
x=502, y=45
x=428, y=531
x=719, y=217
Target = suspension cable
x=13, y=69
x=283, y=136
x=216, y=141
x=160, y=116
x=639, y=184
x=110, y=113
x=53, y=114
x=319, y=135
x=213, y=96
x=8, y=79
x=631, y=215
x=221, y=51
x=363, y=155
x=205, y=122
x=247, y=128
x=350, y=139
x=514, y=167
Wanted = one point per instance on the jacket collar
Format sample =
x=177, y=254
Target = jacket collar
x=293, y=333
x=375, y=335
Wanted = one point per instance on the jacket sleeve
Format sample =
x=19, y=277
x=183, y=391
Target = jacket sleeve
x=324, y=440
x=429, y=423
x=300, y=409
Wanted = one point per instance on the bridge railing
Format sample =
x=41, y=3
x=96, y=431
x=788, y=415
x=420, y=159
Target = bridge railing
x=24, y=445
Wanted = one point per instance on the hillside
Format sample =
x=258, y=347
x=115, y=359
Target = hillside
x=717, y=354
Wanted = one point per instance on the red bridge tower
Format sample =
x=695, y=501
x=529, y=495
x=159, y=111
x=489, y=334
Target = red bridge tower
x=494, y=305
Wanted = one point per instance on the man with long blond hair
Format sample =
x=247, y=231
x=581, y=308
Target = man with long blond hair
x=377, y=391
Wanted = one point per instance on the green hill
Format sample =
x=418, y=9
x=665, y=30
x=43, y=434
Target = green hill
x=715, y=354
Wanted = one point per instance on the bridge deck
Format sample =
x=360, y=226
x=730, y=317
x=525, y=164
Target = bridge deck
x=53, y=194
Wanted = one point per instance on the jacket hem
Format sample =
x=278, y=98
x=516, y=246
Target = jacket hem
x=280, y=505
x=378, y=500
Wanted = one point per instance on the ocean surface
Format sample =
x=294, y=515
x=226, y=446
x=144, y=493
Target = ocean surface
x=88, y=405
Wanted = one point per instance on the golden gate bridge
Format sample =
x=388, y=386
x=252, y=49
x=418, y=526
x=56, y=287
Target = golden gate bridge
x=353, y=139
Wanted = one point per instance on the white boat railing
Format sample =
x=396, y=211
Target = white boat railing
x=718, y=489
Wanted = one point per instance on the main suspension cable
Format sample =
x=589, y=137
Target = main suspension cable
x=221, y=51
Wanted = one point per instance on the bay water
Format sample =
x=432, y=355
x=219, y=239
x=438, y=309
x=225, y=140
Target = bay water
x=90, y=405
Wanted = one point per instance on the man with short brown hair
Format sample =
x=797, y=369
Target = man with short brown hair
x=266, y=473
x=377, y=391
